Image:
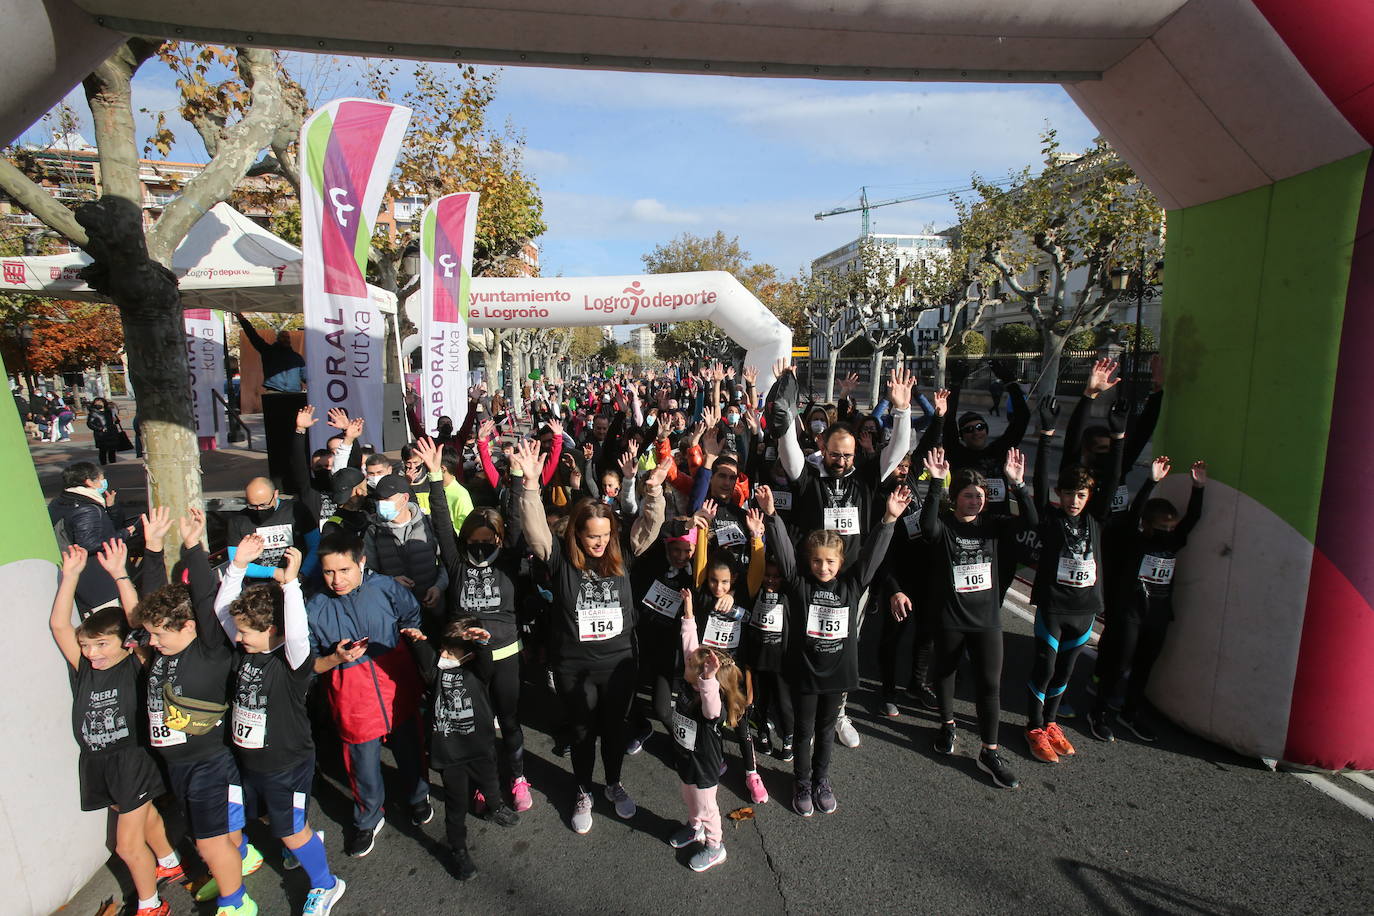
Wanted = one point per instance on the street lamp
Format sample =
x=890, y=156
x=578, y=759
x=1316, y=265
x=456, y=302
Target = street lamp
x=1127, y=282
x=410, y=259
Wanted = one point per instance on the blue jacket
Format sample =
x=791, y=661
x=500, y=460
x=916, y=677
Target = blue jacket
x=379, y=609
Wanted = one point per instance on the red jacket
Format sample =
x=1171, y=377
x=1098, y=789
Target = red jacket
x=371, y=698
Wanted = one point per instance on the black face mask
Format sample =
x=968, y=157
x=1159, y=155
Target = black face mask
x=481, y=554
x=261, y=515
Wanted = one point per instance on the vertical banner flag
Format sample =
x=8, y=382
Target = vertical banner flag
x=348, y=148
x=205, y=353
x=446, y=233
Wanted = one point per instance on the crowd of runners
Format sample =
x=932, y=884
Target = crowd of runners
x=678, y=552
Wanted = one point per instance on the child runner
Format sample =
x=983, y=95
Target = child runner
x=1069, y=583
x=823, y=656
x=271, y=728
x=968, y=542
x=188, y=696
x=462, y=738
x=1139, y=621
x=708, y=676
x=116, y=770
x=764, y=640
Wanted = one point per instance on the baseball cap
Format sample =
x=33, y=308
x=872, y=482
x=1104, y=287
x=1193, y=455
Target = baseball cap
x=343, y=482
x=390, y=485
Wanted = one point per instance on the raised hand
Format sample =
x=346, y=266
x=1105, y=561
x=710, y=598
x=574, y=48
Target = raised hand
x=782, y=366
x=156, y=523
x=293, y=566
x=866, y=440
x=73, y=561
x=192, y=526
x=1015, y=466
x=657, y=475
x=751, y=375
x=941, y=401
x=710, y=665
x=1100, y=377
x=1049, y=414
x=936, y=464
x=849, y=383
x=899, y=385
x=708, y=510
x=114, y=557
x=629, y=462
x=1159, y=468
x=305, y=418
x=716, y=373
x=414, y=635
x=763, y=495
x=529, y=461
x=338, y=418
x=430, y=454
x=1199, y=473
x=487, y=430
x=248, y=550
x=754, y=520
x=897, y=501
x=686, y=594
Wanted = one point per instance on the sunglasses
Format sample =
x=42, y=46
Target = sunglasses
x=974, y=428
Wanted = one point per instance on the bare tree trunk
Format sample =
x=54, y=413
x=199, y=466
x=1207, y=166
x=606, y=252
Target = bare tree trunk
x=831, y=360
x=875, y=377
x=941, y=363
x=1050, y=352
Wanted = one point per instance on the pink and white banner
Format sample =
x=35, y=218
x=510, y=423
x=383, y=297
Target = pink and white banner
x=205, y=353
x=348, y=148
x=446, y=233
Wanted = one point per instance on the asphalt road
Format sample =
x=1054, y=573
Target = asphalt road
x=1181, y=826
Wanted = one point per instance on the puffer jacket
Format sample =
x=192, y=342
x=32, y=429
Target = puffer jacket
x=409, y=549
x=89, y=524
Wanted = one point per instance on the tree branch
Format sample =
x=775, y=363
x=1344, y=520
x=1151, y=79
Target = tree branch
x=991, y=256
x=28, y=194
x=110, y=96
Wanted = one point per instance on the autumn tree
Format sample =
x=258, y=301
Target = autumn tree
x=960, y=287
x=1083, y=215
x=131, y=263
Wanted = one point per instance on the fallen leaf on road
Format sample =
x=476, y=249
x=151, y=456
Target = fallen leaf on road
x=741, y=814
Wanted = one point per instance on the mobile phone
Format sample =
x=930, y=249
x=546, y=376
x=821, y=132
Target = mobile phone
x=349, y=647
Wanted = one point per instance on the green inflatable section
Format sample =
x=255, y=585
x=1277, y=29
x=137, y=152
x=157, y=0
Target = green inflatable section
x=27, y=533
x=1256, y=296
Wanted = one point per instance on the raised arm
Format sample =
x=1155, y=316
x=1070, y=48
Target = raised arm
x=231, y=586
x=1193, y=513
x=757, y=553
x=1049, y=414
x=255, y=341
x=1015, y=470
x=647, y=525
x=778, y=539
x=296, y=627
x=899, y=443
x=937, y=466
x=202, y=578
x=60, y=620
x=876, y=544
x=555, y=453
x=529, y=463
x=1017, y=420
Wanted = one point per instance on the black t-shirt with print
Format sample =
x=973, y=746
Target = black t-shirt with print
x=268, y=722
x=107, y=705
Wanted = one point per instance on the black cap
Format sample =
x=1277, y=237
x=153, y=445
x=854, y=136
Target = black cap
x=343, y=482
x=390, y=485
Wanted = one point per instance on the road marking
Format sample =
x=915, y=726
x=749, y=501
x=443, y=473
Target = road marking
x=1361, y=778
x=1352, y=801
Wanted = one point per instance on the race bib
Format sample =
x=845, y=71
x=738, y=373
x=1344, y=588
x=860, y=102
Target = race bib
x=684, y=731
x=721, y=632
x=827, y=622
x=1076, y=572
x=158, y=731
x=728, y=534
x=667, y=601
x=1157, y=570
x=1121, y=498
x=912, y=523
x=997, y=489
x=250, y=727
x=596, y=622
x=275, y=537
x=782, y=500
x=843, y=519
x=973, y=577
x=767, y=616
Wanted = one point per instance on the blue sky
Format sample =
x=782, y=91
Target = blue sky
x=626, y=161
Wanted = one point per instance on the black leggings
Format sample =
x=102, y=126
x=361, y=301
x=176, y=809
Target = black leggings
x=1128, y=639
x=985, y=649
x=659, y=706
x=771, y=694
x=459, y=780
x=505, y=697
x=922, y=647
x=1059, y=640
x=816, y=718
x=746, y=741
x=597, y=703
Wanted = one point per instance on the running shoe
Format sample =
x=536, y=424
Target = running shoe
x=801, y=800
x=163, y=908
x=1040, y=746
x=845, y=732
x=990, y=762
x=252, y=861
x=246, y=908
x=637, y=742
x=1101, y=730
x=362, y=841
x=757, y=793
x=824, y=797
x=502, y=816
x=624, y=804
x=462, y=865
x=924, y=694
x=320, y=901
x=582, y=813
x=289, y=862
x=174, y=873
x=686, y=836
x=707, y=857
x=1058, y=741
x=945, y=739
x=723, y=767
x=786, y=755
x=422, y=813
x=520, y=792
x=1137, y=726
x=888, y=707
x=763, y=743
x=1066, y=710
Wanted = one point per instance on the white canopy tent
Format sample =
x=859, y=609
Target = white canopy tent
x=226, y=261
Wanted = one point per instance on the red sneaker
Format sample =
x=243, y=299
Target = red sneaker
x=162, y=909
x=1040, y=746
x=1061, y=744
x=165, y=874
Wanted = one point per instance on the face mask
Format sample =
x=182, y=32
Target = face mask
x=388, y=510
x=817, y=427
x=650, y=420
x=608, y=500
x=104, y=485
x=732, y=418
x=481, y=554
x=445, y=663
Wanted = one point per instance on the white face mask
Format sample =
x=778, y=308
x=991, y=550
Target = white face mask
x=373, y=478
x=732, y=418
x=817, y=427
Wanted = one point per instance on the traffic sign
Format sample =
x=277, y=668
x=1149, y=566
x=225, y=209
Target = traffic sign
x=800, y=352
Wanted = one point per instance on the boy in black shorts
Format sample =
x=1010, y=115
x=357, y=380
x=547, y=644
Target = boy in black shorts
x=269, y=724
x=116, y=770
x=188, y=685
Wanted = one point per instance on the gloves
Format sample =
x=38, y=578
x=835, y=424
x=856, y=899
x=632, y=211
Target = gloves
x=1049, y=414
x=1118, y=416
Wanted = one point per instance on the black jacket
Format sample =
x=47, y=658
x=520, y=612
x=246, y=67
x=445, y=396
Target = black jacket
x=89, y=524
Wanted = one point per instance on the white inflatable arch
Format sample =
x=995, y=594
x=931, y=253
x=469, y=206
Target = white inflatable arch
x=561, y=302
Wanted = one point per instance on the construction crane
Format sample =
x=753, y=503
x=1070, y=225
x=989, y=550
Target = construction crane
x=865, y=205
